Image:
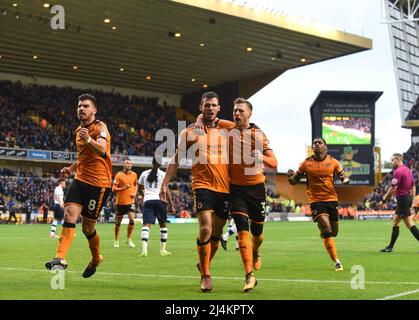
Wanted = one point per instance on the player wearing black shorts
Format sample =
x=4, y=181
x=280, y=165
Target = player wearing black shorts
x=218, y=202
x=210, y=181
x=90, y=199
x=90, y=187
x=58, y=206
x=150, y=183
x=125, y=186
x=330, y=208
x=321, y=170
x=249, y=153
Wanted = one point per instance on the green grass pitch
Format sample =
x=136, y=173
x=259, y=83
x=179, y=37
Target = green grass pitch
x=335, y=137
x=295, y=265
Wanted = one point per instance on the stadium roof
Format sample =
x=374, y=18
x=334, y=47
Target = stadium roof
x=347, y=95
x=409, y=8
x=211, y=48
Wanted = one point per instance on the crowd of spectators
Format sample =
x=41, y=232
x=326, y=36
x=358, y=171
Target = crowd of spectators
x=276, y=203
x=25, y=190
x=414, y=112
x=361, y=124
x=28, y=192
x=44, y=117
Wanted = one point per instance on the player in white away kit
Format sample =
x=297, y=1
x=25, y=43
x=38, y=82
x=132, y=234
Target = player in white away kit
x=232, y=229
x=58, y=207
x=151, y=181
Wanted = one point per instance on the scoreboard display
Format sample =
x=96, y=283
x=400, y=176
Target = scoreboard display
x=345, y=120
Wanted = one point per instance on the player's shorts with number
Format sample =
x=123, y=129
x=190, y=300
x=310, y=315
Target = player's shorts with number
x=205, y=199
x=249, y=201
x=122, y=209
x=90, y=198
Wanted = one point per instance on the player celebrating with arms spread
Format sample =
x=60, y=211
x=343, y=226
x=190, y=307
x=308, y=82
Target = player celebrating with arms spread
x=320, y=170
x=125, y=186
x=90, y=187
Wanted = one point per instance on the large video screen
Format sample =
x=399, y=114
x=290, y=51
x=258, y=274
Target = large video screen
x=346, y=129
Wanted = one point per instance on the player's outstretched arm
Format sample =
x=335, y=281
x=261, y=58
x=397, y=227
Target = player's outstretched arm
x=387, y=196
x=293, y=177
x=343, y=178
x=117, y=189
x=223, y=124
x=413, y=191
x=269, y=159
x=169, y=200
x=68, y=171
x=174, y=164
x=141, y=190
x=170, y=172
x=226, y=124
x=135, y=189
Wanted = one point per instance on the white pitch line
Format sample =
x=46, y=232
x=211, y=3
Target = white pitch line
x=216, y=277
x=47, y=238
x=399, y=295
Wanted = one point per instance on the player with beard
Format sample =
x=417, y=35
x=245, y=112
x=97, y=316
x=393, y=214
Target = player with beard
x=210, y=182
x=90, y=187
x=249, y=153
x=125, y=186
x=320, y=170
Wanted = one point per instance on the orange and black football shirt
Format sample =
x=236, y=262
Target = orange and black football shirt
x=124, y=197
x=320, y=178
x=93, y=168
x=244, y=171
x=210, y=158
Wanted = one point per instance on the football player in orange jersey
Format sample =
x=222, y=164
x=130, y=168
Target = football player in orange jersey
x=90, y=187
x=320, y=170
x=210, y=182
x=125, y=186
x=249, y=154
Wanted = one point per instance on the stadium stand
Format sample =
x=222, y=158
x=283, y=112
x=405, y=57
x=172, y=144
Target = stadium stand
x=414, y=112
x=371, y=201
x=26, y=193
x=44, y=117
